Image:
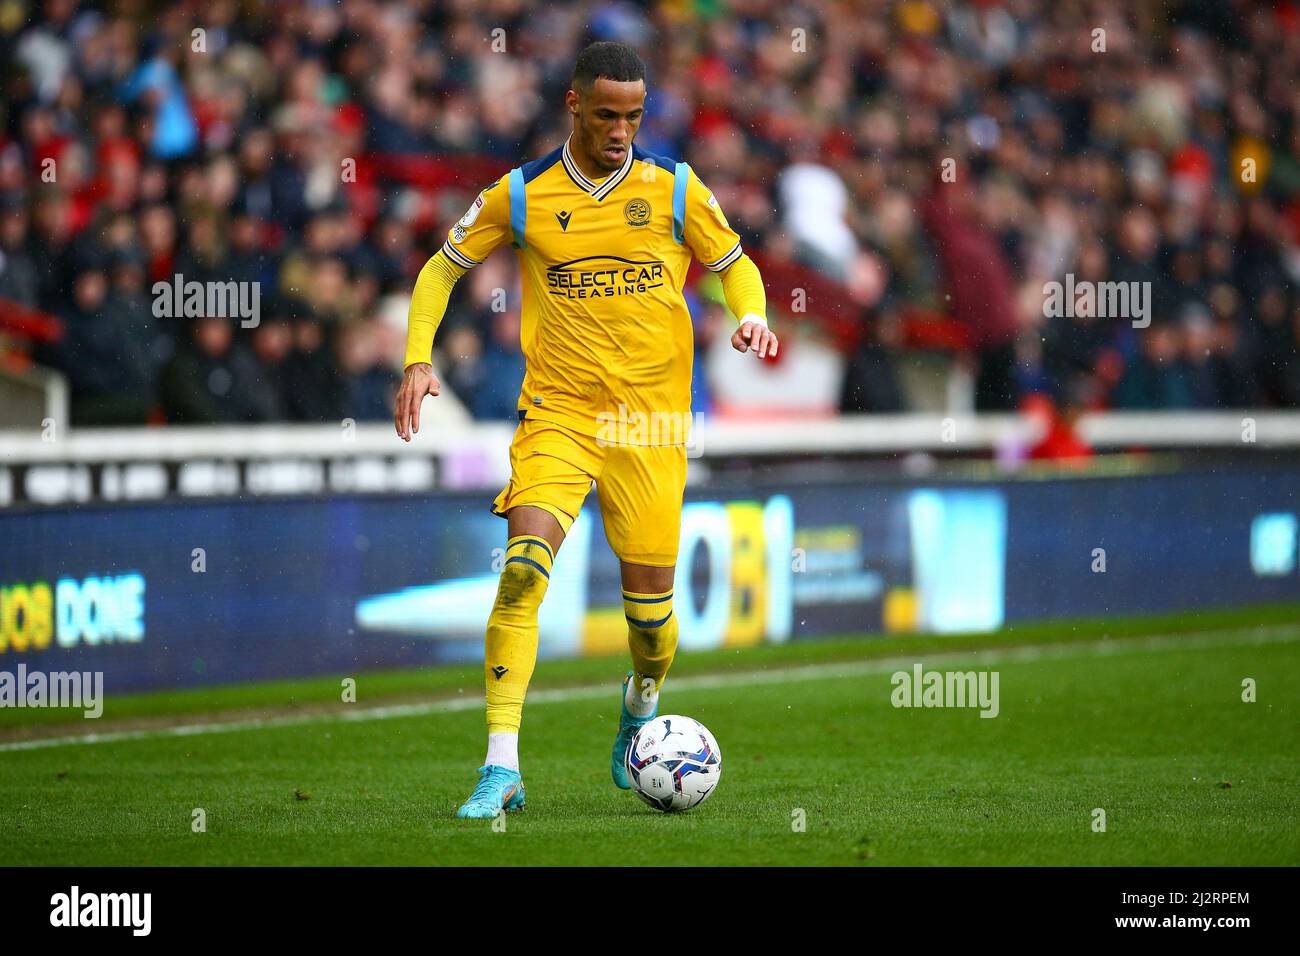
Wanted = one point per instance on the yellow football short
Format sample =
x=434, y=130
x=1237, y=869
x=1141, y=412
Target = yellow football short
x=639, y=487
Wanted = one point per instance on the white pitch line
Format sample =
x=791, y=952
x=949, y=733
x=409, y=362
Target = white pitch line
x=775, y=675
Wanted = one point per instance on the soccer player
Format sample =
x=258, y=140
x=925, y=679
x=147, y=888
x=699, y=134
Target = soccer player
x=604, y=232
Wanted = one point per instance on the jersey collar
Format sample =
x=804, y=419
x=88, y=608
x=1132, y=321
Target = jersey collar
x=594, y=190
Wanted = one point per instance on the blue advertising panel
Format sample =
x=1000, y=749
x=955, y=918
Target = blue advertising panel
x=176, y=594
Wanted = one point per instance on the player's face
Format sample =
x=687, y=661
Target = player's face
x=608, y=117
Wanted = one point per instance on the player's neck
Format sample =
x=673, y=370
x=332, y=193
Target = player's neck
x=586, y=165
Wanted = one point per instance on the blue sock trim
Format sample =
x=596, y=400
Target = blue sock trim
x=530, y=539
x=649, y=600
x=522, y=560
x=649, y=624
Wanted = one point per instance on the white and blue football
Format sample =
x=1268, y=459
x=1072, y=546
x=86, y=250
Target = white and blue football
x=673, y=763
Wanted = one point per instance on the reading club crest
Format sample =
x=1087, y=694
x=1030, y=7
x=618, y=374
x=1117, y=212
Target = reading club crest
x=637, y=212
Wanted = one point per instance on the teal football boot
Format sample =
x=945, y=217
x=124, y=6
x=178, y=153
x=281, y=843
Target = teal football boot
x=499, y=788
x=627, y=728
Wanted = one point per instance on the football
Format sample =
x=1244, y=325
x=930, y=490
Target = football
x=673, y=763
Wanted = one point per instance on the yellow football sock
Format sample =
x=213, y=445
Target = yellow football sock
x=651, y=637
x=511, y=652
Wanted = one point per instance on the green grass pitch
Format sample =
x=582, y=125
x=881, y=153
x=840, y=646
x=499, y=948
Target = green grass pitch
x=1143, y=719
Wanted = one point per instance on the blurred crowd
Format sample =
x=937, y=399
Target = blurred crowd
x=941, y=161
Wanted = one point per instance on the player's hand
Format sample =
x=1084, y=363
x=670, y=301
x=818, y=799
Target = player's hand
x=757, y=337
x=417, y=382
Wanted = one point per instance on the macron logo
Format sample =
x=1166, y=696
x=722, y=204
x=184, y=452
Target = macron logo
x=103, y=909
x=564, y=218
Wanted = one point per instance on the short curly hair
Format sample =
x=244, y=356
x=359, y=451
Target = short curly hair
x=614, y=61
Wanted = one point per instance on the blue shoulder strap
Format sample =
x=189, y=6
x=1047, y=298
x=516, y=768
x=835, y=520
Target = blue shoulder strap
x=518, y=207
x=680, y=176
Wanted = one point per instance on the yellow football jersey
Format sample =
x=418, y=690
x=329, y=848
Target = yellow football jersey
x=605, y=330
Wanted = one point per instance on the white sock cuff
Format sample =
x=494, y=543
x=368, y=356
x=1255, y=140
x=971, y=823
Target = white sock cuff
x=503, y=750
x=636, y=704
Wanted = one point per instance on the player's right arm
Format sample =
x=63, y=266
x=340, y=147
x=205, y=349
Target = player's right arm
x=471, y=240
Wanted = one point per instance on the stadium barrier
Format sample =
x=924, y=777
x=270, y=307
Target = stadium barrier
x=33, y=394
x=55, y=467
x=280, y=552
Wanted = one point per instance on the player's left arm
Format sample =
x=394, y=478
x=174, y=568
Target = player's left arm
x=712, y=240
